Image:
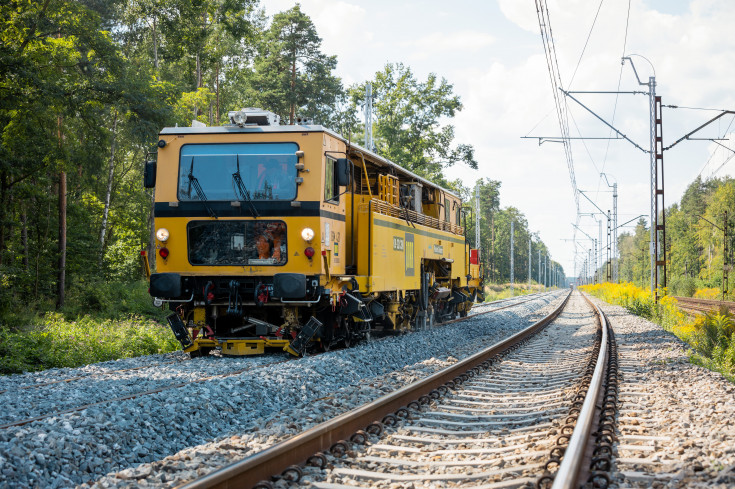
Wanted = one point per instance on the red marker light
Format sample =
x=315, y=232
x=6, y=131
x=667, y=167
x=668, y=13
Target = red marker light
x=309, y=252
x=163, y=252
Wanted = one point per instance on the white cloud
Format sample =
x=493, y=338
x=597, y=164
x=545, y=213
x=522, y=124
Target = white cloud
x=523, y=14
x=443, y=42
x=493, y=55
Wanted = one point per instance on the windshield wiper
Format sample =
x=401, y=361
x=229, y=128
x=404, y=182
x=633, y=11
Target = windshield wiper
x=194, y=182
x=237, y=178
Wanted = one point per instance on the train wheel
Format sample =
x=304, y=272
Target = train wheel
x=347, y=332
x=201, y=352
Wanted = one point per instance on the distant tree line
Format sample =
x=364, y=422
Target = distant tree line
x=694, y=240
x=495, y=232
x=86, y=85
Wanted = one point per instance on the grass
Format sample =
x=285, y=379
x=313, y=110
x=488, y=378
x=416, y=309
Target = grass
x=496, y=292
x=708, y=293
x=101, y=322
x=711, y=336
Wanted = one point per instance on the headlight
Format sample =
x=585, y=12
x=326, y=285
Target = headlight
x=307, y=234
x=237, y=117
x=162, y=235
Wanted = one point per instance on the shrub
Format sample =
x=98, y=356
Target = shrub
x=683, y=286
x=708, y=293
x=62, y=343
x=711, y=335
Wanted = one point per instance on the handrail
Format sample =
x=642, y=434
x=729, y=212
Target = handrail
x=387, y=209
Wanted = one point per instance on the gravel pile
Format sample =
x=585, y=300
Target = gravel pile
x=691, y=408
x=224, y=419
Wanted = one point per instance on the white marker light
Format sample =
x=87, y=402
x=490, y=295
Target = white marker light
x=162, y=235
x=307, y=234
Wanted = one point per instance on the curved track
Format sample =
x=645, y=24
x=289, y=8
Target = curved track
x=497, y=420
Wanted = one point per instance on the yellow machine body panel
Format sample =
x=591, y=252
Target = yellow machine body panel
x=289, y=236
x=398, y=248
x=329, y=228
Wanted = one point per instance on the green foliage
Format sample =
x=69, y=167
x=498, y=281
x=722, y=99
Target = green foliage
x=712, y=335
x=56, y=342
x=292, y=77
x=408, y=126
x=683, y=286
x=695, y=240
x=643, y=307
x=714, y=342
x=502, y=291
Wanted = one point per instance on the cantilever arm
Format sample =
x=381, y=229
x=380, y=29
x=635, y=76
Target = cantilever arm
x=686, y=136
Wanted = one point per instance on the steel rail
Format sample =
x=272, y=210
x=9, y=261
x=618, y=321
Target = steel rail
x=177, y=385
x=567, y=475
x=293, y=451
x=703, y=305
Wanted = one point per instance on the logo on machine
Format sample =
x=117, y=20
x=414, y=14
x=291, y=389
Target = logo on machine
x=438, y=249
x=410, y=269
x=398, y=243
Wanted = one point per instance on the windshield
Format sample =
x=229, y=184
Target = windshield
x=267, y=171
x=261, y=242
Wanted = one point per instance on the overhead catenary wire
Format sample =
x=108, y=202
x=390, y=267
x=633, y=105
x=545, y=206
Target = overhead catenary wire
x=584, y=48
x=617, y=95
x=712, y=154
x=552, y=64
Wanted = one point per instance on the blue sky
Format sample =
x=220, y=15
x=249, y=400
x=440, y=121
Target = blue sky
x=491, y=52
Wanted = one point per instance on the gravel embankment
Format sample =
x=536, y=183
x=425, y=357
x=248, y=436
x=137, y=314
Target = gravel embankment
x=677, y=420
x=98, y=385
x=209, y=423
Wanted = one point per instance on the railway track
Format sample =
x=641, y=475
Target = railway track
x=692, y=305
x=504, y=417
x=72, y=404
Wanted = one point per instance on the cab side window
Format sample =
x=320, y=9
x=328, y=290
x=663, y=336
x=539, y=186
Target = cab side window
x=331, y=189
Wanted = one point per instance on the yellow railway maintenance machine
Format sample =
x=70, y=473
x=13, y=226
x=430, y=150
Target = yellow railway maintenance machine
x=289, y=237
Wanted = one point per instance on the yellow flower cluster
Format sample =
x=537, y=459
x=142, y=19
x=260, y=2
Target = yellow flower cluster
x=640, y=301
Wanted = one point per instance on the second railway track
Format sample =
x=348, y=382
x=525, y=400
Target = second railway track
x=696, y=306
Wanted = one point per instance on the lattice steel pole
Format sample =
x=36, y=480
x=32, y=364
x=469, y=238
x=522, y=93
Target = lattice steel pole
x=529, y=260
x=539, y=266
x=725, y=264
x=512, y=232
x=477, y=217
x=369, y=116
x=616, y=259
x=608, y=265
x=654, y=183
x=660, y=236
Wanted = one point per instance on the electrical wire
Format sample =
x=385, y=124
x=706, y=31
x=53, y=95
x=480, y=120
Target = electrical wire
x=552, y=65
x=712, y=154
x=584, y=143
x=617, y=95
x=723, y=164
x=589, y=35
